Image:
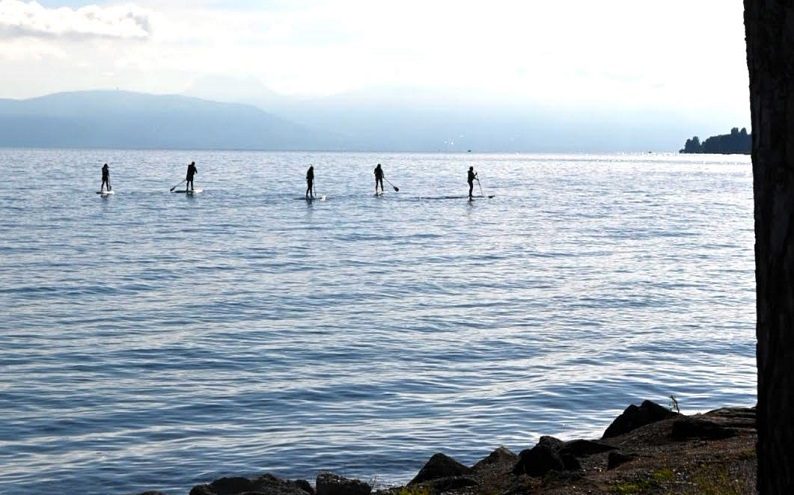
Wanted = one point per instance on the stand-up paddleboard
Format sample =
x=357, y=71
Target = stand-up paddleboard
x=105, y=193
x=316, y=198
x=378, y=194
x=455, y=197
x=189, y=191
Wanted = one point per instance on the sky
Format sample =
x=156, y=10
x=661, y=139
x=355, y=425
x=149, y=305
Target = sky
x=679, y=55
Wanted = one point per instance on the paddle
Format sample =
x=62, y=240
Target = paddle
x=183, y=180
x=480, y=186
x=396, y=189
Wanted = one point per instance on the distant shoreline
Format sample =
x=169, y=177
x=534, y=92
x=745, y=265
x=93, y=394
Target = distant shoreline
x=358, y=152
x=738, y=142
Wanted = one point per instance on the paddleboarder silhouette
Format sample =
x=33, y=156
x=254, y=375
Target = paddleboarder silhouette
x=378, y=179
x=191, y=171
x=471, y=176
x=310, y=182
x=105, y=178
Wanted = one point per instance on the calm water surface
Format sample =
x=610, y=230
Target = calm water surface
x=155, y=341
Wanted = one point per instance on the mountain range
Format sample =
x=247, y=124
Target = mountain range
x=120, y=119
x=231, y=114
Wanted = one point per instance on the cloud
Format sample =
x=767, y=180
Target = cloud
x=31, y=19
x=568, y=53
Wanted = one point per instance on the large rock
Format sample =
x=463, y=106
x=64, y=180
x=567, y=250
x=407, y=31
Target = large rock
x=439, y=466
x=332, y=484
x=584, y=448
x=733, y=417
x=201, y=490
x=500, y=456
x=569, y=462
x=266, y=484
x=686, y=428
x=232, y=486
x=634, y=417
x=271, y=485
x=224, y=486
x=540, y=459
x=304, y=485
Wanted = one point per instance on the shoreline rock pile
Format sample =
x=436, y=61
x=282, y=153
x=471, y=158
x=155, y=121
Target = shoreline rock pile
x=646, y=449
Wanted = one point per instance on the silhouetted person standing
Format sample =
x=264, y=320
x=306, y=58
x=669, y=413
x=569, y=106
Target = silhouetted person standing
x=310, y=182
x=105, y=178
x=191, y=171
x=470, y=178
x=378, y=179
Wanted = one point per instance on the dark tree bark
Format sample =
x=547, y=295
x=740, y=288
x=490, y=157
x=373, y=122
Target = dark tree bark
x=769, y=26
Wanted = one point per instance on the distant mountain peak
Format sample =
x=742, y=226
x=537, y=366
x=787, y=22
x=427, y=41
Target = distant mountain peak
x=127, y=119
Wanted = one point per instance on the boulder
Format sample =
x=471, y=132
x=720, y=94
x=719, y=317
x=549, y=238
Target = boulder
x=584, y=448
x=569, y=462
x=267, y=484
x=304, y=485
x=201, y=490
x=332, y=484
x=501, y=455
x=439, y=466
x=634, y=417
x=733, y=417
x=551, y=442
x=540, y=459
x=231, y=486
x=224, y=486
x=686, y=428
x=616, y=459
x=270, y=485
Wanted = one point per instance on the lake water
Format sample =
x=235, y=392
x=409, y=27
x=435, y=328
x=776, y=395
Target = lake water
x=155, y=341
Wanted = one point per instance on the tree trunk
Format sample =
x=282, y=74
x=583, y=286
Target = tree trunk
x=769, y=26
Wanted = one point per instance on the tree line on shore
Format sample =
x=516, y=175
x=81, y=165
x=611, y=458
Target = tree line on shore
x=737, y=142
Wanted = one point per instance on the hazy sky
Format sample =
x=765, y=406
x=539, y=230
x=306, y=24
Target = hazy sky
x=677, y=54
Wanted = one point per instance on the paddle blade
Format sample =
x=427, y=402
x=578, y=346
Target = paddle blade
x=396, y=189
x=180, y=183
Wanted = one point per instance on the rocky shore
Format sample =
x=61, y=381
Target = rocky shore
x=648, y=449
